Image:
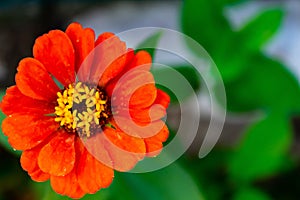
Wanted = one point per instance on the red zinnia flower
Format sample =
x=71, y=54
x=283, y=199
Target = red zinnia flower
x=77, y=134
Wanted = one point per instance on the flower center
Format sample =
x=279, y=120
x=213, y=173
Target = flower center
x=82, y=109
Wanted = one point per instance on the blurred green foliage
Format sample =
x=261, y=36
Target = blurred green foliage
x=253, y=83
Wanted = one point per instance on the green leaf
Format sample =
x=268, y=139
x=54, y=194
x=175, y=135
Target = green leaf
x=150, y=43
x=172, y=182
x=204, y=21
x=3, y=138
x=266, y=84
x=179, y=81
x=260, y=30
x=234, y=65
x=263, y=150
x=248, y=41
x=251, y=194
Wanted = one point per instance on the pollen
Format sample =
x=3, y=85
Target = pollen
x=82, y=109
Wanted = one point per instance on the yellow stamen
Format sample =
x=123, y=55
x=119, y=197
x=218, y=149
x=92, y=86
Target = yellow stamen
x=79, y=108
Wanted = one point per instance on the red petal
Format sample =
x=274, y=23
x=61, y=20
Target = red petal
x=135, y=90
x=34, y=81
x=124, y=150
x=141, y=59
x=92, y=174
x=150, y=114
x=154, y=143
x=138, y=129
x=162, y=98
x=82, y=40
x=58, y=156
x=67, y=185
x=104, y=36
x=15, y=102
x=56, y=52
x=27, y=131
x=96, y=146
x=29, y=164
x=124, y=141
x=122, y=160
x=113, y=70
x=147, y=115
x=143, y=97
x=109, y=58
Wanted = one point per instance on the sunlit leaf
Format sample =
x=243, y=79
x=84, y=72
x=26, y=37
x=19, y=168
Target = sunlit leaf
x=263, y=150
x=260, y=30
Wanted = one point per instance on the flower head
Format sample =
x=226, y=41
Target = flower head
x=82, y=108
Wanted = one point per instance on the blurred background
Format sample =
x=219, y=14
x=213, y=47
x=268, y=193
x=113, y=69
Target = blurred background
x=256, y=47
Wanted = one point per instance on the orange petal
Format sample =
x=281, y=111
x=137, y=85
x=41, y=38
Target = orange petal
x=138, y=129
x=143, y=96
x=141, y=59
x=136, y=89
x=27, y=131
x=162, y=98
x=55, y=51
x=122, y=160
x=34, y=81
x=95, y=145
x=104, y=36
x=15, y=102
x=29, y=163
x=154, y=144
x=58, y=156
x=92, y=174
x=124, y=150
x=148, y=115
x=124, y=141
x=113, y=70
x=82, y=40
x=67, y=185
x=152, y=113
x=143, y=116
x=109, y=58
